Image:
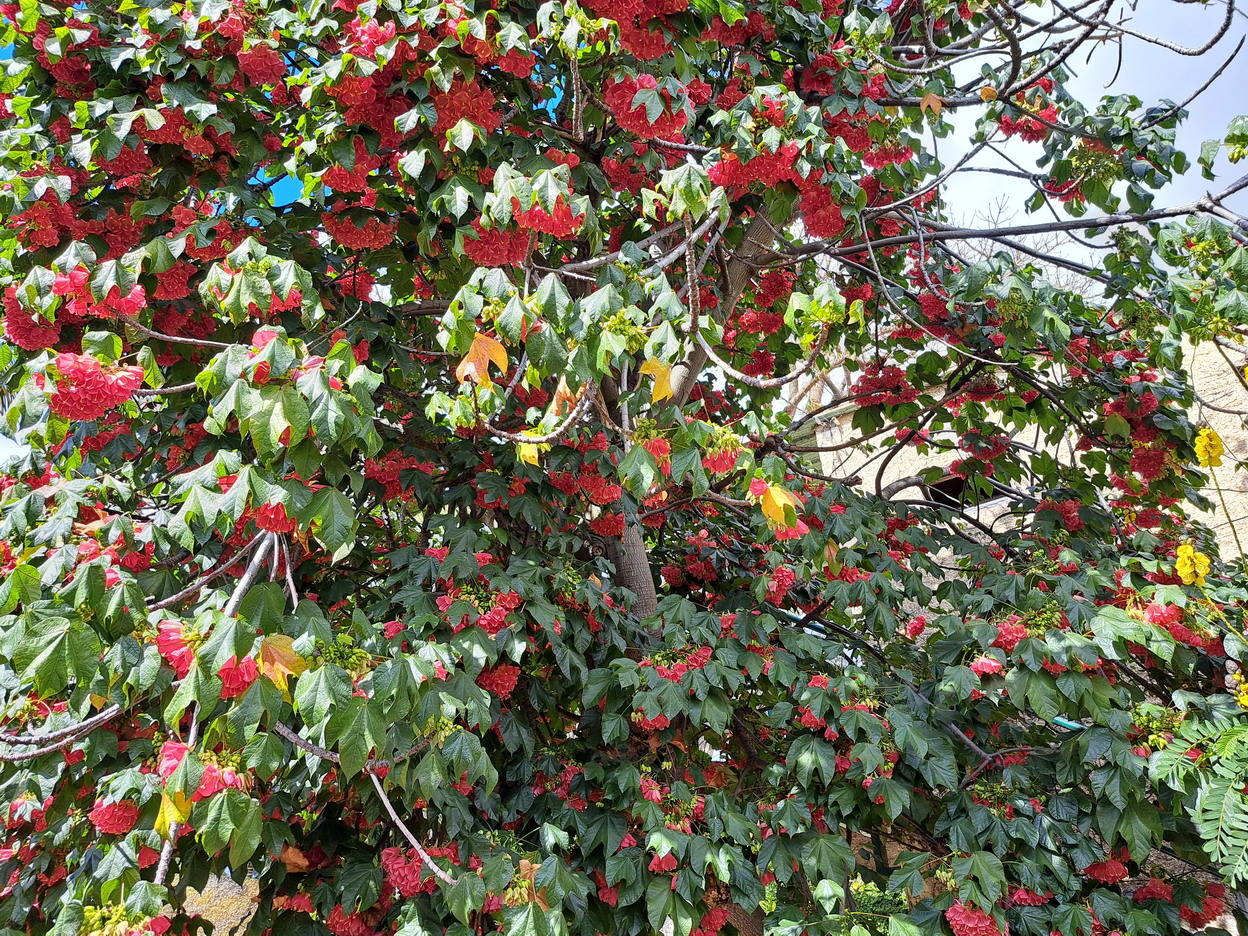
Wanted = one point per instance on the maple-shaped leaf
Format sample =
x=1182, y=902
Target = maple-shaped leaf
x=278, y=661
x=476, y=363
x=662, y=375
x=780, y=506
x=294, y=860
x=174, y=807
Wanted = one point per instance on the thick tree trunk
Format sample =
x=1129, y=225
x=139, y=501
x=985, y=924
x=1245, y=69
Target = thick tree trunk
x=632, y=569
x=632, y=561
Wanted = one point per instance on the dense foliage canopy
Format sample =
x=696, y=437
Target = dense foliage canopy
x=417, y=501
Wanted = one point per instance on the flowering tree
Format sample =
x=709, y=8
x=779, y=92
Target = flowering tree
x=415, y=506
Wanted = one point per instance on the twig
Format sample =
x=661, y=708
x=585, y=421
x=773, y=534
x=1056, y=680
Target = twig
x=206, y=578
x=253, y=570
x=407, y=834
x=372, y=763
x=63, y=738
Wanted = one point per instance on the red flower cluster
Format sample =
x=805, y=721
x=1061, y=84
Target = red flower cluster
x=1212, y=907
x=274, y=519
x=782, y=580
x=114, y=818
x=406, y=871
x=173, y=643
x=695, y=660
x=375, y=233
x=558, y=223
x=237, y=676
x=500, y=680
x=385, y=471
x=495, y=247
x=883, y=385
x=1109, y=871
x=217, y=777
x=1009, y=634
x=1155, y=889
x=966, y=920
x=25, y=328
x=764, y=169
x=464, y=100
x=1068, y=509
x=984, y=447
x=987, y=666
x=86, y=391
x=355, y=179
x=669, y=125
x=1029, y=128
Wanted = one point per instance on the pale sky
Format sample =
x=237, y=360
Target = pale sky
x=1152, y=74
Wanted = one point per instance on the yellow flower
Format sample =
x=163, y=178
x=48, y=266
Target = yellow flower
x=1191, y=566
x=1209, y=448
x=1241, y=690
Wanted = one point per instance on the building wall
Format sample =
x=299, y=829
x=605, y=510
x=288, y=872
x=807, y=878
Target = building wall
x=1216, y=383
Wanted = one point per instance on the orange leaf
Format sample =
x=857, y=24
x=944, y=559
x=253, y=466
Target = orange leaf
x=987, y=93
x=476, y=363
x=933, y=102
x=278, y=661
x=294, y=860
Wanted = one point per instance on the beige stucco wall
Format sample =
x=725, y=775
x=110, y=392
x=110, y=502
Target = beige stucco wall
x=1215, y=382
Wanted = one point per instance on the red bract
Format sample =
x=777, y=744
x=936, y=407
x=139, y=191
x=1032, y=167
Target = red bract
x=175, y=646
x=500, y=680
x=86, y=390
x=237, y=676
x=114, y=818
x=966, y=920
x=26, y=329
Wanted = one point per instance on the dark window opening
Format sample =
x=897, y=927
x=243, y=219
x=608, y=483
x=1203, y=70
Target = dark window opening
x=956, y=493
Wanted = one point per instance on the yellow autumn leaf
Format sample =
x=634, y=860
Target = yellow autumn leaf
x=933, y=102
x=780, y=506
x=529, y=453
x=278, y=661
x=475, y=366
x=988, y=94
x=662, y=375
x=173, y=808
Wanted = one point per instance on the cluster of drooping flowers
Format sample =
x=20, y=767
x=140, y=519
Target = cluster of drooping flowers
x=672, y=665
x=114, y=818
x=558, y=222
x=500, y=680
x=966, y=920
x=86, y=390
x=496, y=247
x=667, y=125
x=883, y=385
x=386, y=472
x=1067, y=509
x=371, y=233
x=1032, y=128
x=407, y=873
x=220, y=772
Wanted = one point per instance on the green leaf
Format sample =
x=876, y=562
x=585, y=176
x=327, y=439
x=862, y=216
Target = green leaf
x=466, y=896
x=330, y=518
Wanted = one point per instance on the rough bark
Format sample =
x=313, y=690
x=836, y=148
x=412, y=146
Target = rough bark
x=632, y=569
